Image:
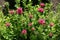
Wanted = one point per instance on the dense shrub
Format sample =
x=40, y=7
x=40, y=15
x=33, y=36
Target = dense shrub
x=29, y=22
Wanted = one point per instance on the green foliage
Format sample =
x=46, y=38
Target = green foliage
x=36, y=31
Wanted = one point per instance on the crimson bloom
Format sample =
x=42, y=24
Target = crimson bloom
x=19, y=10
x=24, y=31
x=51, y=24
x=41, y=10
x=41, y=21
x=42, y=4
x=7, y=24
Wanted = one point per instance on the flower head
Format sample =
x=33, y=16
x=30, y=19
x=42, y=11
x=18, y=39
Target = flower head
x=41, y=10
x=7, y=24
x=19, y=11
x=41, y=21
x=33, y=29
x=51, y=24
x=24, y=31
x=42, y=4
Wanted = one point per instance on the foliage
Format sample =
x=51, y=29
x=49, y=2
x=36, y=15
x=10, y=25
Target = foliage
x=32, y=23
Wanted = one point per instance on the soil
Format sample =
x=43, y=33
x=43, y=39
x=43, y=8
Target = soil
x=2, y=2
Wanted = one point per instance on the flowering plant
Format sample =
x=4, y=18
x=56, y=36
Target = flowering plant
x=34, y=23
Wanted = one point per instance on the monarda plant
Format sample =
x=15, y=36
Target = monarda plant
x=33, y=23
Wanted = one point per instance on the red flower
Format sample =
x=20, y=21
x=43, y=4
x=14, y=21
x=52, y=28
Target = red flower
x=19, y=11
x=42, y=5
x=7, y=24
x=50, y=34
x=30, y=24
x=30, y=16
x=41, y=10
x=51, y=24
x=11, y=11
x=24, y=31
x=41, y=21
x=33, y=29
